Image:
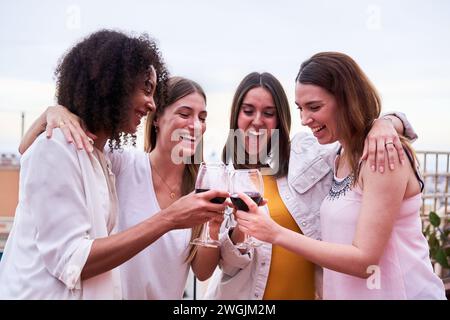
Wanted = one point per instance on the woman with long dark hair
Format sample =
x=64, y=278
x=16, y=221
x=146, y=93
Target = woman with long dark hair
x=372, y=243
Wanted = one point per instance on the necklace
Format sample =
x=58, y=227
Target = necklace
x=172, y=194
x=340, y=188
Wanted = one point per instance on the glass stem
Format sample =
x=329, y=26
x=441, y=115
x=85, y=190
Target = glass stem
x=207, y=237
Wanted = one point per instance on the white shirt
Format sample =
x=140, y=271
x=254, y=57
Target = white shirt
x=160, y=271
x=64, y=204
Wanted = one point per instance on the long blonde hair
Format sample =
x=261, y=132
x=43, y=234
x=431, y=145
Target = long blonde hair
x=178, y=88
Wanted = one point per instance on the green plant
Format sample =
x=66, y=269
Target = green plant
x=438, y=240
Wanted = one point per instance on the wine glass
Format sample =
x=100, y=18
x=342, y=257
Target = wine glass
x=250, y=182
x=210, y=176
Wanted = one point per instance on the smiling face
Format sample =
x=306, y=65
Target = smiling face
x=257, y=119
x=141, y=101
x=318, y=110
x=182, y=124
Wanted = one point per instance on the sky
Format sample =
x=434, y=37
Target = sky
x=403, y=46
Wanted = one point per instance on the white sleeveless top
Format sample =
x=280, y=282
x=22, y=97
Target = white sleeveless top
x=159, y=271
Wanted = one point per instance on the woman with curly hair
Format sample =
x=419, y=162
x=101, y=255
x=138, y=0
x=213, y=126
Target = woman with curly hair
x=64, y=243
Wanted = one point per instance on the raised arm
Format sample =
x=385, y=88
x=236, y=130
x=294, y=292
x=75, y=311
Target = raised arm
x=58, y=117
x=384, y=137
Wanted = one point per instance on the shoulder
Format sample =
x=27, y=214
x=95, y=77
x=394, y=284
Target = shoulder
x=126, y=158
x=303, y=140
x=306, y=149
x=388, y=180
x=122, y=154
x=53, y=157
x=56, y=145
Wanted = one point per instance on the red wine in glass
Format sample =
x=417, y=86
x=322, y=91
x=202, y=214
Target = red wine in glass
x=217, y=200
x=250, y=182
x=241, y=205
x=210, y=177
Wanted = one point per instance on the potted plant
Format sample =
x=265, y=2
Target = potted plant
x=437, y=233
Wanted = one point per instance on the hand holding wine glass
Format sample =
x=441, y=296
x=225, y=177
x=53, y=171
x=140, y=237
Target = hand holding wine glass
x=210, y=177
x=256, y=222
x=249, y=182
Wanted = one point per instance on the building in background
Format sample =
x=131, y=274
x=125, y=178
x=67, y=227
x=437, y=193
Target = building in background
x=9, y=193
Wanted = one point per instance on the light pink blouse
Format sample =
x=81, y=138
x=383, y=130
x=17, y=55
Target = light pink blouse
x=404, y=270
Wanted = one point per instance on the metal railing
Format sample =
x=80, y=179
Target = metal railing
x=435, y=169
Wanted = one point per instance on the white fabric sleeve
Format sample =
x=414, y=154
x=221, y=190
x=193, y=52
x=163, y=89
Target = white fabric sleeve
x=231, y=259
x=54, y=188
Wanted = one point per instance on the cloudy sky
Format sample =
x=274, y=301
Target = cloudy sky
x=403, y=46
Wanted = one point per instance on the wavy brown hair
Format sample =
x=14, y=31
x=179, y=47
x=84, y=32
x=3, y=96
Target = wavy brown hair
x=96, y=78
x=357, y=99
x=178, y=88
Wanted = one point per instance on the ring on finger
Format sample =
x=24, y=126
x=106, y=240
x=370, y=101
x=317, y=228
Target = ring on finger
x=390, y=142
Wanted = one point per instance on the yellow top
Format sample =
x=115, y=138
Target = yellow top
x=291, y=276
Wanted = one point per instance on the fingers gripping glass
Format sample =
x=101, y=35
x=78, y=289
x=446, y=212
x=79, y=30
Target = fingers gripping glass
x=251, y=183
x=210, y=177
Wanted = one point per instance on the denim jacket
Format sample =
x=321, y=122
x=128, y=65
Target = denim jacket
x=244, y=276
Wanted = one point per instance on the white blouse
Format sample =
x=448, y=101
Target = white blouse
x=159, y=271
x=64, y=204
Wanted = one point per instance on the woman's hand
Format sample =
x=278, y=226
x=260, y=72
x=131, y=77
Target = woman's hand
x=71, y=125
x=195, y=209
x=255, y=222
x=59, y=117
x=383, y=136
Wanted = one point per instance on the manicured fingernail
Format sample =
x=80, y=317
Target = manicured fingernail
x=373, y=168
x=392, y=167
x=381, y=169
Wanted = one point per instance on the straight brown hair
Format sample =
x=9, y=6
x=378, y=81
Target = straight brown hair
x=358, y=101
x=269, y=82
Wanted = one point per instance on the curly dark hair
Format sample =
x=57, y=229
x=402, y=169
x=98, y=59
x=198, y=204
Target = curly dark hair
x=96, y=78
